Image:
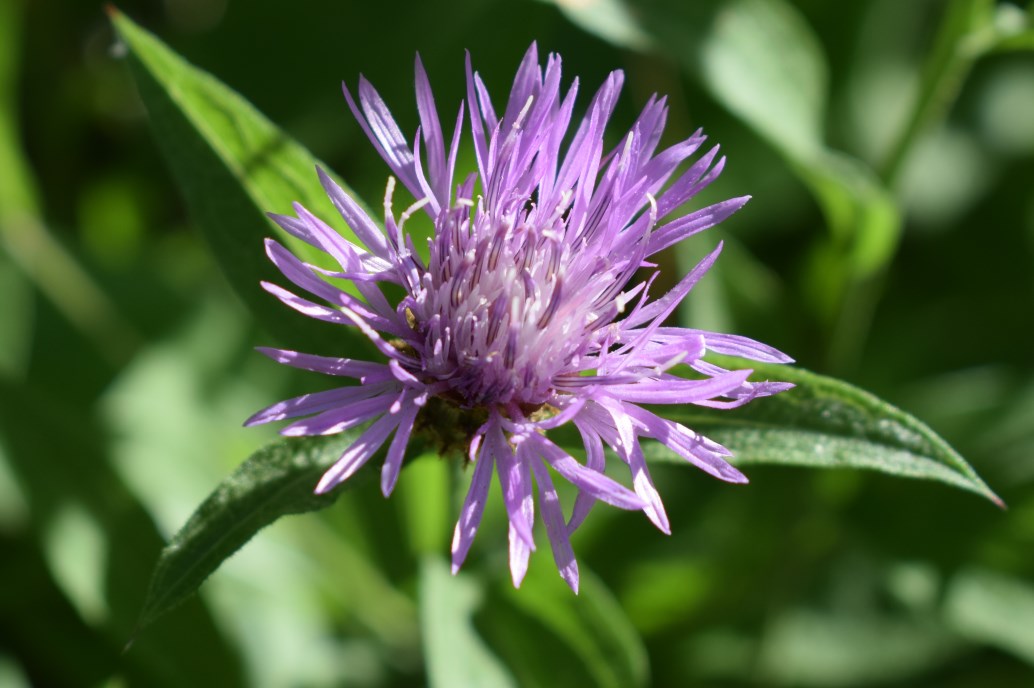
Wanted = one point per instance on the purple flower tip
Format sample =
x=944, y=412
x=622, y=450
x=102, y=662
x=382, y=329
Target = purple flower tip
x=525, y=316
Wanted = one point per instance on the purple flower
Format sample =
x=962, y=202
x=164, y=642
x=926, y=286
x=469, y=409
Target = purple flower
x=525, y=316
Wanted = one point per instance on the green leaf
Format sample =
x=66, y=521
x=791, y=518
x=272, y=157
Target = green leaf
x=591, y=626
x=759, y=58
x=233, y=166
x=1013, y=28
x=456, y=654
x=862, y=216
x=275, y=481
x=806, y=647
x=993, y=608
x=16, y=334
x=764, y=63
x=611, y=20
x=826, y=423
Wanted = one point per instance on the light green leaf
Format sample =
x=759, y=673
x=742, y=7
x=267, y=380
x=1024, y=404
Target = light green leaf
x=764, y=63
x=993, y=608
x=826, y=423
x=1013, y=28
x=456, y=655
x=233, y=166
x=804, y=647
x=759, y=58
x=611, y=20
x=275, y=481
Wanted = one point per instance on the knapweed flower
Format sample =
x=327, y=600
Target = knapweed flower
x=525, y=315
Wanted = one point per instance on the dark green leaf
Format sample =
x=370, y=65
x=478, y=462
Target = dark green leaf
x=233, y=166
x=275, y=481
x=16, y=334
x=456, y=655
x=826, y=423
x=591, y=626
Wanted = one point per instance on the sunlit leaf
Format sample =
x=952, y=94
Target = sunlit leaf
x=87, y=525
x=456, y=654
x=1013, y=27
x=764, y=63
x=809, y=648
x=758, y=58
x=611, y=20
x=993, y=608
x=826, y=423
x=233, y=166
x=275, y=481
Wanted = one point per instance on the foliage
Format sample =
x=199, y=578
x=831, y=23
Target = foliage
x=875, y=139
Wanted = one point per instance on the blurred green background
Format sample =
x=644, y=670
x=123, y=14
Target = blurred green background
x=126, y=363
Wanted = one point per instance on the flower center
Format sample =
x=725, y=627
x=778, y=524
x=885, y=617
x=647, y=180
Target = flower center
x=495, y=310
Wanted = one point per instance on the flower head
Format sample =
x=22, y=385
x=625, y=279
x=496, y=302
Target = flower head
x=525, y=316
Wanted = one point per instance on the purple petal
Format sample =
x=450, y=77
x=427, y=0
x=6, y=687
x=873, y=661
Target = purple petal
x=627, y=447
x=341, y=418
x=679, y=391
x=358, y=454
x=364, y=228
x=521, y=508
x=703, y=453
x=365, y=371
x=306, y=307
x=594, y=460
x=514, y=480
x=397, y=450
x=434, y=142
x=316, y=402
x=690, y=183
x=470, y=514
x=387, y=138
x=296, y=271
x=643, y=484
x=556, y=529
x=744, y=347
x=662, y=307
x=587, y=480
x=688, y=225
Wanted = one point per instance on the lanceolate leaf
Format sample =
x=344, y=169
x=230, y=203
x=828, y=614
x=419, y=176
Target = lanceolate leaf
x=826, y=423
x=275, y=481
x=233, y=166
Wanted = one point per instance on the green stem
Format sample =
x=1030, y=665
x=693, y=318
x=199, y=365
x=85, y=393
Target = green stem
x=956, y=47
x=24, y=235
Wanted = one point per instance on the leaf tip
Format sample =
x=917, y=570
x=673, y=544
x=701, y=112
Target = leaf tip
x=114, y=14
